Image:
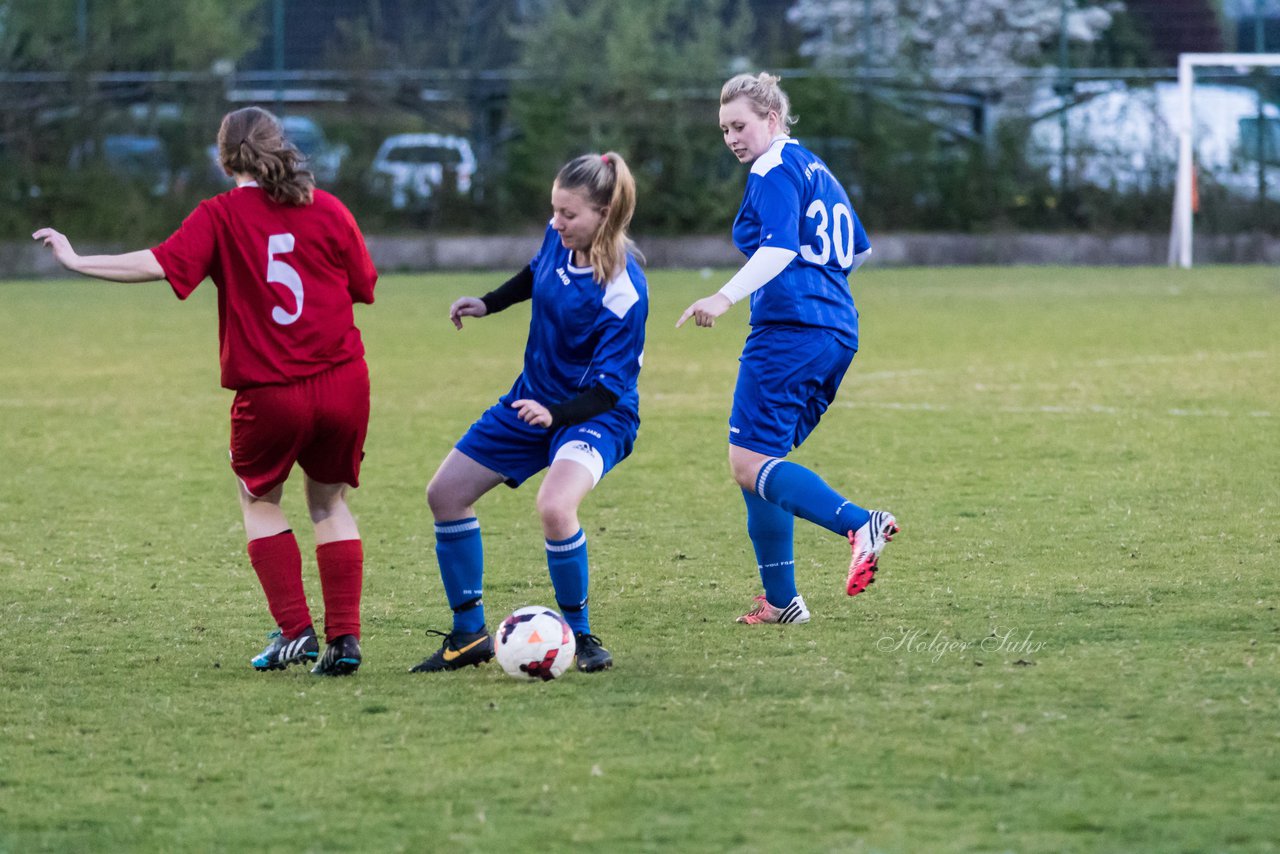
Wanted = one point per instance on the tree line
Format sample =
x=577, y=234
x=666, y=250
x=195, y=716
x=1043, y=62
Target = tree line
x=918, y=106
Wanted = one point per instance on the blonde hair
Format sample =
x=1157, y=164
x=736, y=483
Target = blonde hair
x=251, y=142
x=763, y=94
x=606, y=182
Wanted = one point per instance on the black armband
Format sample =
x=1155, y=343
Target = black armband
x=516, y=289
x=592, y=402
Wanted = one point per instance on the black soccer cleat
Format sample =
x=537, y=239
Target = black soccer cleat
x=282, y=651
x=460, y=649
x=592, y=656
x=341, y=657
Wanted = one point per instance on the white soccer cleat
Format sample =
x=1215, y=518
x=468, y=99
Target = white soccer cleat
x=763, y=612
x=867, y=543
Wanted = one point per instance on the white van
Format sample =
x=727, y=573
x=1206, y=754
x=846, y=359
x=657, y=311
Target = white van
x=410, y=169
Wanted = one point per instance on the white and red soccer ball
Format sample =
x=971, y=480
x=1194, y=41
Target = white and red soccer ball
x=534, y=643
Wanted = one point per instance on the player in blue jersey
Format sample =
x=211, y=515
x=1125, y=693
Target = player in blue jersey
x=802, y=240
x=574, y=409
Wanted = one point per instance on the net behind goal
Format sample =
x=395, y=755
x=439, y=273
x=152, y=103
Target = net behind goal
x=1259, y=141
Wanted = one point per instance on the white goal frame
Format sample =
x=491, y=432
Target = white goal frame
x=1180, y=233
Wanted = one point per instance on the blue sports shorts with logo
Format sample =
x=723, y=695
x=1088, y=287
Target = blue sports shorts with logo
x=500, y=441
x=787, y=377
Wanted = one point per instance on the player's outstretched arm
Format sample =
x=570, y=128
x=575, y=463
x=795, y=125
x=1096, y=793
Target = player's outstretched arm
x=760, y=269
x=466, y=307
x=516, y=289
x=705, y=311
x=140, y=266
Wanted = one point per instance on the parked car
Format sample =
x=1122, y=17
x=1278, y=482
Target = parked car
x=1126, y=139
x=324, y=158
x=411, y=169
x=137, y=157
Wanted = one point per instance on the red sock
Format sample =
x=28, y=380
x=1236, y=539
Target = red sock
x=341, y=578
x=278, y=563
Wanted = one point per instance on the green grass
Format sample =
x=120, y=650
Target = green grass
x=1073, y=646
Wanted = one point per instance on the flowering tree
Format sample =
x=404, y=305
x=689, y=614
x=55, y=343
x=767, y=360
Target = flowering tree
x=943, y=42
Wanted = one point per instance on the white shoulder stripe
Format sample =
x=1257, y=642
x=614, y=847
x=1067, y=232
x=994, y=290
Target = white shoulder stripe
x=621, y=294
x=771, y=158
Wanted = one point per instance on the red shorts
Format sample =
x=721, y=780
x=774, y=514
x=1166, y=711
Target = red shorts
x=319, y=422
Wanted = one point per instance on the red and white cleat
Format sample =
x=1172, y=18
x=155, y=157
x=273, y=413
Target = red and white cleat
x=867, y=543
x=763, y=612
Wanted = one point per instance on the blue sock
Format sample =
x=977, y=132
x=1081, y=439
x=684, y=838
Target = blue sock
x=801, y=492
x=567, y=563
x=460, y=553
x=772, y=532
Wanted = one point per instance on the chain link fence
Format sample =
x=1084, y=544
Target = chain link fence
x=123, y=156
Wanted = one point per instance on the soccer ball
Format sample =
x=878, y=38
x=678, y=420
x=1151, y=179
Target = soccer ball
x=535, y=643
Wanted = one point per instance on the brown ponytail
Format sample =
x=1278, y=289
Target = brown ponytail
x=607, y=183
x=251, y=142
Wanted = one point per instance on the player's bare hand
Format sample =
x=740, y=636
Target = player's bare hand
x=532, y=412
x=466, y=307
x=705, y=311
x=57, y=241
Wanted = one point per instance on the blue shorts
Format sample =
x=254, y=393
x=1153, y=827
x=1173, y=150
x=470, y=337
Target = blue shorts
x=787, y=377
x=500, y=441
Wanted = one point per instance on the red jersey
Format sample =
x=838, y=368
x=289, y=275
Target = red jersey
x=287, y=277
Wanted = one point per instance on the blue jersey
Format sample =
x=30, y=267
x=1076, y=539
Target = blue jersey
x=581, y=333
x=793, y=202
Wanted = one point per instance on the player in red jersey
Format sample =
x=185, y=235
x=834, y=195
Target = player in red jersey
x=289, y=262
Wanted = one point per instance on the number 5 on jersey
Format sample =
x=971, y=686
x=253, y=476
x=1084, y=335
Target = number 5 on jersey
x=281, y=273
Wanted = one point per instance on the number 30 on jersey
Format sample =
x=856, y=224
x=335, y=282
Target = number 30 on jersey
x=834, y=231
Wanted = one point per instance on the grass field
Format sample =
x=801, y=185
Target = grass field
x=1073, y=646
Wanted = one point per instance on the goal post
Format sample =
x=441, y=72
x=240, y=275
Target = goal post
x=1180, y=232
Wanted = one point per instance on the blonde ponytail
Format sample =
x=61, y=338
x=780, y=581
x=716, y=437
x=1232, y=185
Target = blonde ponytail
x=763, y=94
x=606, y=182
